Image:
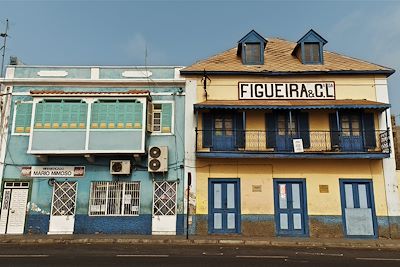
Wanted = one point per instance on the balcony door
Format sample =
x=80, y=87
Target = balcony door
x=351, y=138
x=286, y=132
x=223, y=134
x=282, y=127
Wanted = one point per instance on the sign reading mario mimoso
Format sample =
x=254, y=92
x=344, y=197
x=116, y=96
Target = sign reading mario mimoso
x=53, y=171
x=287, y=91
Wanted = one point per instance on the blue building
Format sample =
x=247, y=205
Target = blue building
x=92, y=150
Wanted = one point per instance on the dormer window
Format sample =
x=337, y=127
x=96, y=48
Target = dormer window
x=251, y=49
x=312, y=53
x=252, y=53
x=309, y=49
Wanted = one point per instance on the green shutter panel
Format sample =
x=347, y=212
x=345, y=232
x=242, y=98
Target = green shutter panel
x=102, y=115
x=38, y=120
x=166, y=120
x=47, y=112
x=129, y=115
x=83, y=114
x=138, y=115
x=23, y=118
x=94, y=116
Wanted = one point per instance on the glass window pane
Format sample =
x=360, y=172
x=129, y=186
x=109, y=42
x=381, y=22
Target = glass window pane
x=217, y=221
x=283, y=217
x=296, y=196
x=230, y=188
x=297, y=221
x=231, y=221
x=362, y=194
x=217, y=196
x=282, y=196
x=348, y=190
x=228, y=127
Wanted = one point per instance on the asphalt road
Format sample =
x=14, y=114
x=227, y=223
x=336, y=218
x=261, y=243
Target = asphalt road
x=190, y=256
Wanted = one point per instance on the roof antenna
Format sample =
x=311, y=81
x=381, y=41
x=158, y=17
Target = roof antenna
x=4, y=35
x=204, y=80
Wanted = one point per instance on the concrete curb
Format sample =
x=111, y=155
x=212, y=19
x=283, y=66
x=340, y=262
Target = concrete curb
x=368, y=244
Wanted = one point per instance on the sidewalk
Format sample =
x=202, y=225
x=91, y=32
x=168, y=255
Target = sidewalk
x=201, y=240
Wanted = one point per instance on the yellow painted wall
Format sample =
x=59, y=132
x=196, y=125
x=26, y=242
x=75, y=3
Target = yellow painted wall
x=316, y=172
x=347, y=87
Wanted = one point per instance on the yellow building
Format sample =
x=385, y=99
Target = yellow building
x=291, y=140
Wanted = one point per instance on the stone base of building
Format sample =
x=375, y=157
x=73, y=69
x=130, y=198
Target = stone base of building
x=319, y=226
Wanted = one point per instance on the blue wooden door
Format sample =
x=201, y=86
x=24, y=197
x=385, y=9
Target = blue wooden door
x=351, y=138
x=224, y=206
x=287, y=130
x=290, y=207
x=223, y=132
x=358, y=208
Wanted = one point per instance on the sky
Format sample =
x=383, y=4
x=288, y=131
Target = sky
x=180, y=32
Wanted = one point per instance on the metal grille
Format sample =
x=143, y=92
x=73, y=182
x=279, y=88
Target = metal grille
x=64, y=198
x=164, y=198
x=320, y=141
x=114, y=198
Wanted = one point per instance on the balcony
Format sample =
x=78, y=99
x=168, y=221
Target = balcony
x=279, y=144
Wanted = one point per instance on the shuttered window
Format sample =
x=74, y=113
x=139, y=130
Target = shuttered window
x=312, y=53
x=23, y=115
x=253, y=53
x=162, y=117
x=117, y=114
x=61, y=114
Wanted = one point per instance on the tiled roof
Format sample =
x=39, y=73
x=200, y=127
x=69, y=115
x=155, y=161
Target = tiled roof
x=278, y=59
x=70, y=93
x=290, y=104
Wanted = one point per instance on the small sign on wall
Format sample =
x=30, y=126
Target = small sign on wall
x=323, y=188
x=53, y=171
x=298, y=146
x=256, y=188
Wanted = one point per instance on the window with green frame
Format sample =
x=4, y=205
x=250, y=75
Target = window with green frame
x=162, y=117
x=23, y=115
x=117, y=114
x=61, y=114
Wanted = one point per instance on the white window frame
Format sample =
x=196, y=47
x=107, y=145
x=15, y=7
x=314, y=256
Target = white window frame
x=107, y=183
x=14, y=118
x=172, y=117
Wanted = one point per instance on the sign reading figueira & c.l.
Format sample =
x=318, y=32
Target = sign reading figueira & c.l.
x=287, y=91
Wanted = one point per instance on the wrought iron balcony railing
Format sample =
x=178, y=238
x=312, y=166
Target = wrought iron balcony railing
x=281, y=141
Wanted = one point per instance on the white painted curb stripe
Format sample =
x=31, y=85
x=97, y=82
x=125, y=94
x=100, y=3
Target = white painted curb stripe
x=377, y=259
x=24, y=256
x=142, y=255
x=262, y=256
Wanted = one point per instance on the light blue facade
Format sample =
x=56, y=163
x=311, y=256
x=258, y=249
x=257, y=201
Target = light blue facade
x=163, y=86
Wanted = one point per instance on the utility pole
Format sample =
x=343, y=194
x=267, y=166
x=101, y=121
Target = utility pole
x=3, y=48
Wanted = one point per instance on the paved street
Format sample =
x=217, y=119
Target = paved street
x=189, y=255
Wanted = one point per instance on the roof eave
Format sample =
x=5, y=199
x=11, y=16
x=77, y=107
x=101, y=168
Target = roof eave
x=290, y=73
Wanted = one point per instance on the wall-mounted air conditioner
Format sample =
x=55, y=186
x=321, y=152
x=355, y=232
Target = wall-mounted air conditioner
x=120, y=167
x=158, y=159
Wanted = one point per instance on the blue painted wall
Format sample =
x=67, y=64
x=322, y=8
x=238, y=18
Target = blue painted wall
x=41, y=192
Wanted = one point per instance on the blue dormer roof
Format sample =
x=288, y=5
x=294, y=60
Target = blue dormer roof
x=257, y=43
x=312, y=37
x=309, y=49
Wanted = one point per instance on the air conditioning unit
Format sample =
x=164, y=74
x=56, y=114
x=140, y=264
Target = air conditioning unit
x=158, y=159
x=120, y=167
